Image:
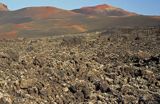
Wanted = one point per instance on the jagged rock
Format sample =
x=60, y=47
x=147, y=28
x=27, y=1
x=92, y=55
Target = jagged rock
x=103, y=87
x=86, y=92
x=72, y=89
x=90, y=70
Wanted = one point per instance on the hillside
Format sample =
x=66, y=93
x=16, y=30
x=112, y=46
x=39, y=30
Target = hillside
x=49, y=21
x=104, y=10
x=3, y=7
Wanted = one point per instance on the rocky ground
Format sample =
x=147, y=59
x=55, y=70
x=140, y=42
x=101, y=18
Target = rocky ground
x=116, y=66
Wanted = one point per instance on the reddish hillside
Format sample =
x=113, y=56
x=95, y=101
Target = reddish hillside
x=49, y=21
x=3, y=7
x=104, y=9
x=43, y=12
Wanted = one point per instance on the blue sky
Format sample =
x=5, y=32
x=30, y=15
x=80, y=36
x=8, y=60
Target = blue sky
x=147, y=7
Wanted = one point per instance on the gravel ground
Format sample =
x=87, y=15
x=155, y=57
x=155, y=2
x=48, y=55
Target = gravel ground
x=116, y=66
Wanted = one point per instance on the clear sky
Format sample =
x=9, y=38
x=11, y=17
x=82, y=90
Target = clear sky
x=147, y=7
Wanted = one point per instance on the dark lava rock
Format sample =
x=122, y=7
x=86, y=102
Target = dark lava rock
x=141, y=100
x=86, y=93
x=87, y=69
x=79, y=96
x=103, y=87
x=29, y=48
x=72, y=89
x=38, y=62
x=158, y=77
x=138, y=73
x=120, y=100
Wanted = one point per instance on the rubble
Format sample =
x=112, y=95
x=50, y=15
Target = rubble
x=97, y=68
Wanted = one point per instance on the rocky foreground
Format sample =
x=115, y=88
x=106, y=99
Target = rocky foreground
x=116, y=66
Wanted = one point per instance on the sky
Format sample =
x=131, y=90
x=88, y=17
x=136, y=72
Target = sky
x=145, y=7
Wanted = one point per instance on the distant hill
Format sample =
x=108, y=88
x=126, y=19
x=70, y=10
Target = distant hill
x=3, y=7
x=49, y=21
x=42, y=12
x=105, y=10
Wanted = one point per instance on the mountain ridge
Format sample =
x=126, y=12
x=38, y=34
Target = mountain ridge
x=49, y=21
x=104, y=9
x=3, y=7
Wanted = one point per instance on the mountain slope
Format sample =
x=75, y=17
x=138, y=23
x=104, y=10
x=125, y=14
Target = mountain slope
x=105, y=10
x=3, y=7
x=43, y=12
x=49, y=21
x=39, y=21
x=35, y=13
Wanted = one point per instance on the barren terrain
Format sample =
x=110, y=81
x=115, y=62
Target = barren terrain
x=115, y=66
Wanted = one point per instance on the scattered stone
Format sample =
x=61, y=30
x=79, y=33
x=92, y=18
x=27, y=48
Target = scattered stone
x=109, y=80
x=37, y=61
x=86, y=93
x=65, y=89
x=91, y=69
x=26, y=83
x=72, y=89
x=103, y=87
x=138, y=73
x=141, y=100
x=157, y=84
x=5, y=100
x=120, y=100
